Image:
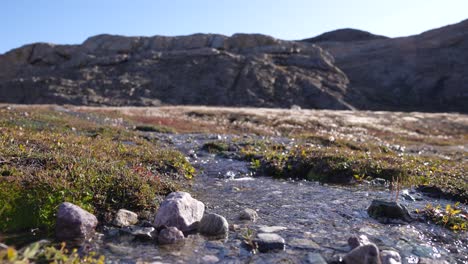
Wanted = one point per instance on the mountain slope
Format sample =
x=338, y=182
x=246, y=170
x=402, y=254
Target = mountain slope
x=426, y=72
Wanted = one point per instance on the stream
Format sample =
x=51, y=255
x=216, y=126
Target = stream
x=311, y=217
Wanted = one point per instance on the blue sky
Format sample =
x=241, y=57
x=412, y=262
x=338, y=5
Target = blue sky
x=72, y=21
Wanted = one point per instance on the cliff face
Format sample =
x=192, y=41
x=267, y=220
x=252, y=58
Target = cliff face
x=201, y=69
x=426, y=72
x=343, y=69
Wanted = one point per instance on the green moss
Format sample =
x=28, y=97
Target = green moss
x=99, y=168
x=215, y=146
x=338, y=161
x=153, y=128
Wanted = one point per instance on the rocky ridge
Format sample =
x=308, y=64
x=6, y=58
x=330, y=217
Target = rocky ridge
x=203, y=69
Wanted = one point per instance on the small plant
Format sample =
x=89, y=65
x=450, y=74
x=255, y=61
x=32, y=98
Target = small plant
x=452, y=217
x=248, y=236
x=40, y=253
x=395, y=186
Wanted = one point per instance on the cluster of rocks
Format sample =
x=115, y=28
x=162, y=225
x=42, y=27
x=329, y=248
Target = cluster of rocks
x=179, y=214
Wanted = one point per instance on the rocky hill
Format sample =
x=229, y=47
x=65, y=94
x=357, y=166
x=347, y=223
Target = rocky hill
x=426, y=72
x=201, y=69
x=343, y=69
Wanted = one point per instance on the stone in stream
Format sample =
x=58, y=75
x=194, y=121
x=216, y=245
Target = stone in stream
x=170, y=235
x=387, y=212
x=268, y=242
x=390, y=257
x=271, y=229
x=143, y=233
x=356, y=241
x=180, y=210
x=367, y=254
x=74, y=223
x=125, y=218
x=248, y=214
x=214, y=225
x=431, y=261
x=315, y=258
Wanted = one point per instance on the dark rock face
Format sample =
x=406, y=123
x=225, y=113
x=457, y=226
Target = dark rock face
x=426, y=72
x=201, y=69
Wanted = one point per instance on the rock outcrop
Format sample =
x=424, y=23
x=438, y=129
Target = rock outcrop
x=426, y=72
x=200, y=69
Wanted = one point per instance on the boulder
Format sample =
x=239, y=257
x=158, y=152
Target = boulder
x=125, y=218
x=387, y=212
x=367, y=254
x=170, y=235
x=214, y=225
x=74, y=223
x=179, y=210
x=248, y=214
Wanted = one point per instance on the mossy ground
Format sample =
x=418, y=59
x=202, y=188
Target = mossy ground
x=419, y=149
x=47, y=157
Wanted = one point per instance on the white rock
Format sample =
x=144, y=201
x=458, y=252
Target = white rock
x=180, y=210
x=125, y=218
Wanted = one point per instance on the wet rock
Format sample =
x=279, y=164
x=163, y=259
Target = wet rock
x=214, y=225
x=303, y=243
x=390, y=257
x=315, y=258
x=269, y=242
x=170, y=235
x=356, y=241
x=180, y=210
x=248, y=214
x=432, y=261
x=74, y=223
x=271, y=229
x=143, y=233
x=210, y=259
x=118, y=249
x=125, y=218
x=386, y=212
x=378, y=182
x=407, y=196
x=367, y=254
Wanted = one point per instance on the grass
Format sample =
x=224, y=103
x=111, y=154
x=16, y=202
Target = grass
x=49, y=157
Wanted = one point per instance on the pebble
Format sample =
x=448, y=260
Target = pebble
x=248, y=214
x=315, y=258
x=303, y=243
x=268, y=242
x=271, y=229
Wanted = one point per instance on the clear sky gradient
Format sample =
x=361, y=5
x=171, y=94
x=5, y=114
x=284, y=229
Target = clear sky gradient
x=72, y=21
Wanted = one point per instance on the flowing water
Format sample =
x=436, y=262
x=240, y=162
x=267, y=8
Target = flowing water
x=313, y=217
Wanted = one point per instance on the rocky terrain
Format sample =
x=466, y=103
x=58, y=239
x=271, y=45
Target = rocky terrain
x=343, y=69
